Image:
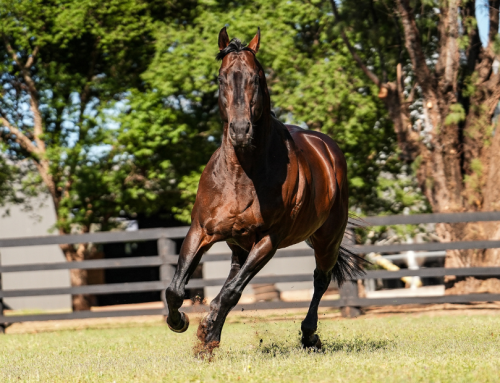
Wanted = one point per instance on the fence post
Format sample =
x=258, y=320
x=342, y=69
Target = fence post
x=166, y=249
x=2, y=325
x=349, y=290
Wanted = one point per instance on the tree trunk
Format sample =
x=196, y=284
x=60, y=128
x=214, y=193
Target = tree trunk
x=34, y=146
x=458, y=154
x=79, y=277
x=458, y=173
x=470, y=258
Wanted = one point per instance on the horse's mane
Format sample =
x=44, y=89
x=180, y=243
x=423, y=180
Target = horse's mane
x=235, y=45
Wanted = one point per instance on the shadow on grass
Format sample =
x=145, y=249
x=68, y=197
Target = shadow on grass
x=328, y=346
x=355, y=345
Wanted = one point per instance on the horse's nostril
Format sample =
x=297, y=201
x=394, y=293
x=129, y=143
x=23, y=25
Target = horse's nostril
x=248, y=128
x=231, y=125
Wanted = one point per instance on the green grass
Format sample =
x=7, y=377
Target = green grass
x=455, y=348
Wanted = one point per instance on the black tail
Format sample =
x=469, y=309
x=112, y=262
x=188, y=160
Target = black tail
x=348, y=266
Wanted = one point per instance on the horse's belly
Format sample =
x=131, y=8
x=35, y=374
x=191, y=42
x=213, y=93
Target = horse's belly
x=301, y=229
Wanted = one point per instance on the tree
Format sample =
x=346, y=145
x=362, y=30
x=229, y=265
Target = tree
x=174, y=124
x=440, y=87
x=62, y=62
x=8, y=176
x=114, y=103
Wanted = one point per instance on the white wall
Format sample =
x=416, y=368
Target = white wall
x=26, y=224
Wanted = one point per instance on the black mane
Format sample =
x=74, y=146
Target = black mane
x=235, y=45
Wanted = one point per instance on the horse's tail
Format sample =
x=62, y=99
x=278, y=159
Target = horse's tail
x=349, y=265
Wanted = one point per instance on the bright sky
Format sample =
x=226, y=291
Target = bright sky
x=483, y=21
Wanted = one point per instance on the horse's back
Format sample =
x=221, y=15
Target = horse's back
x=320, y=186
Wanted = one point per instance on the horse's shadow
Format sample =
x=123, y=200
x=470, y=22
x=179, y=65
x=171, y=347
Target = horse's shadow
x=329, y=346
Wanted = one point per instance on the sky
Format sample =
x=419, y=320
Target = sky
x=483, y=22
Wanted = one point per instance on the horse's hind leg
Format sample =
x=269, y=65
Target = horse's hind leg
x=326, y=243
x=309, y=325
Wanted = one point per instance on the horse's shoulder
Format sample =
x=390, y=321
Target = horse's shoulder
x=311, y=137
x=301, y=133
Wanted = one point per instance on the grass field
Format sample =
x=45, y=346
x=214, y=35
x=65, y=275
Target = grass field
x=458, y=348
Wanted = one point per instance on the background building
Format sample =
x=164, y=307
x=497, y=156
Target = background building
x=39, y=222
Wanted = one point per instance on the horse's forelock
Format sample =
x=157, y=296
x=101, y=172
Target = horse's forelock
x=234, y=46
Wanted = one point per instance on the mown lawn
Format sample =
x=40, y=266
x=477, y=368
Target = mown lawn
x=455, y=348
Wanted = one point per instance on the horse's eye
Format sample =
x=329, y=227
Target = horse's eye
x=221, y=80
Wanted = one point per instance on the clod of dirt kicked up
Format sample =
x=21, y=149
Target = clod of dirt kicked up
x=267, y=187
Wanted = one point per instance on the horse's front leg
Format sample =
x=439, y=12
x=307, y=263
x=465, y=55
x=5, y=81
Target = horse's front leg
x=211, y=328
x=238, y=258
x=193, y=247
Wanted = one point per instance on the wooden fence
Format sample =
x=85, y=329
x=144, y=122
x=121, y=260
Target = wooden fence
x=349, y=301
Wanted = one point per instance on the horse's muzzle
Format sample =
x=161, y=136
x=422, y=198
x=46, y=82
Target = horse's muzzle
x=240, y=132
x=244, y=143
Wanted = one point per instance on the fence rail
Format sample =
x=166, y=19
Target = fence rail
x=416, y=219
x=198, y=283
x=166, y=260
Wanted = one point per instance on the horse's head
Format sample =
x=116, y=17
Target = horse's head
x=243, y=91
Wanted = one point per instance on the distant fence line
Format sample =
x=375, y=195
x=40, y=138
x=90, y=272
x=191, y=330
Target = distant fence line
x=166, y=260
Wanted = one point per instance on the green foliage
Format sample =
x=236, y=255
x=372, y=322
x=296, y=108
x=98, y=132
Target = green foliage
x=477, y=166
x=496, y=45
x=87, y=54
x=473, y=180
x=456, y=115
x=8, y=175
x=174, y=125
x=470, y=85
x=188, y=187
x=128, y=95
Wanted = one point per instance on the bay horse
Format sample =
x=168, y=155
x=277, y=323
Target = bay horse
x=268, y=186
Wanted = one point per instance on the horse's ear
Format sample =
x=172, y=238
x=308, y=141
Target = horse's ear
x=223, y=39
x=255, y=43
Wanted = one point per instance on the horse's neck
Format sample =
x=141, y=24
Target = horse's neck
x=248, y=161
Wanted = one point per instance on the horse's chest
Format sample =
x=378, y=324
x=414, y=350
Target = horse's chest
x=236, y=215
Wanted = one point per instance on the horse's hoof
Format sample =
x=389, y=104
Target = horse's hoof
x=184, y=323
x=313, y=344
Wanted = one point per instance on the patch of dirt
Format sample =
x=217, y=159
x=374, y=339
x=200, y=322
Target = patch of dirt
x=83, y=324
x=478, y=308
